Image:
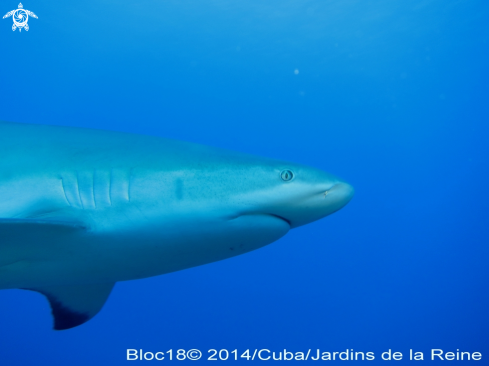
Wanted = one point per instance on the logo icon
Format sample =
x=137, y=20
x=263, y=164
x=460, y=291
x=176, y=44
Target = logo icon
x=20, y=17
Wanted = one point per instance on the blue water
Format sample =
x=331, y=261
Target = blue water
x=390, y=95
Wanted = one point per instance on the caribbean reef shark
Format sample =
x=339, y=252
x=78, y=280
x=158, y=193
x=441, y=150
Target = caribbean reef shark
x=81, y=209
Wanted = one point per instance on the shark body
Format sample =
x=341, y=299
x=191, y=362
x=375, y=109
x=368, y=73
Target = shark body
x=81, y=209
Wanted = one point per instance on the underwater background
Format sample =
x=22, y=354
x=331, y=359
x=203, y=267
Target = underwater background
x=390, y=95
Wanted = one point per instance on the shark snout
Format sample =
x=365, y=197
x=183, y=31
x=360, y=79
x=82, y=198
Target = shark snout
x=338, y=196
x=341, y=192
x=319, y=204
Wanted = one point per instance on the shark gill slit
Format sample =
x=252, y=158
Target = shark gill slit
x=64, y=191
x=78, y=189
x=129, y=185
x=93, y=189
x=110, y=187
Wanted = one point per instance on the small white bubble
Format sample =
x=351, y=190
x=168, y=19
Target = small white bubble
x=296, y=71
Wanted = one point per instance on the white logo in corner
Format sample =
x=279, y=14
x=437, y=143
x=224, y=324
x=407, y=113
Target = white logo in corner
x=20, y=17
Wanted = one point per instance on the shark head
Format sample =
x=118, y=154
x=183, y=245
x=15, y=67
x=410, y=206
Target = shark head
x=222, y=204
x=230, y=185
x=295, y=193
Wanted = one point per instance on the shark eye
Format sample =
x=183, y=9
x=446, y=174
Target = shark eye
x=287, y=175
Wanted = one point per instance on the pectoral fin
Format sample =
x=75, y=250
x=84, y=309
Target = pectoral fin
x=74, y=305
x=31, y=238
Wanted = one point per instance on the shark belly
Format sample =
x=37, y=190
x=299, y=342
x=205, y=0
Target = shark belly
x=127, y=254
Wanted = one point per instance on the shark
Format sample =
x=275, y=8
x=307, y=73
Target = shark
x=81, y=209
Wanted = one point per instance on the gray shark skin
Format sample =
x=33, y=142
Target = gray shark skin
x=81, y=209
